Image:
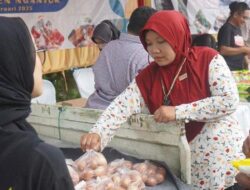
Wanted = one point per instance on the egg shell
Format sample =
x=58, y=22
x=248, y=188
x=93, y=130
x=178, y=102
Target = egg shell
x=141, y=167
x=127, y=164
x=94, y=164
x=81, y=165
x=100, y=171
x=135, y=177
x=109, y=186
x=151, y=181
x=125, y=181
x=116, y=179
x=161, y=170
x=159, y=178
x=87, y=174
x=151, y=171
x=132, y=187
x=144, y=177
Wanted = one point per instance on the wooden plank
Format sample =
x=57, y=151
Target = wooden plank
x=141, y=121
x=140, y=136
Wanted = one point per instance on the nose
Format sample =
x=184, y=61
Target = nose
x=153, y=49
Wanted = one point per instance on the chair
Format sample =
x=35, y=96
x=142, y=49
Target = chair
x=84, y=78
x=48, y=96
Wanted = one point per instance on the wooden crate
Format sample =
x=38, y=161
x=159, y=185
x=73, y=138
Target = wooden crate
x=140, y=136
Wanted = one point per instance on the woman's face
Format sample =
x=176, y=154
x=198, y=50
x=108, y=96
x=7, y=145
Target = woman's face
x=241, y=18
x=159, y=49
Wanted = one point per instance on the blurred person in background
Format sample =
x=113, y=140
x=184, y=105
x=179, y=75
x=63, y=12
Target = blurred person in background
x=120, y=61
x=230, y=41
x=104, y=32
x=204, y=40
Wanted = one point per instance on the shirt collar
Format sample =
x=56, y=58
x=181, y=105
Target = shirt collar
x=130, y=37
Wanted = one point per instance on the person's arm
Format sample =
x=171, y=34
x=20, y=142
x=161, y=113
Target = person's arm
x=247, y=62
x=126, y=104
x=242, y=179
x=230, y=51
x=246, y=147
x=224, y=43
x=224, y=96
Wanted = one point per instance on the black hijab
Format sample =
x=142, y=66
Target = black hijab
x=105, y=31
x=17, y=62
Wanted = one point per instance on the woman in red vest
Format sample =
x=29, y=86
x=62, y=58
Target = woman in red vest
x=183, y=83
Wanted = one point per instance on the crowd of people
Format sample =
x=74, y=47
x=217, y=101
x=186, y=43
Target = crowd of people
x=155, y=68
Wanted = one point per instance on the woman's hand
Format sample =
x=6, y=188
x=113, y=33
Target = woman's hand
x=165, y=114
x=246, y=147
x=243, y=180
x=90, y=141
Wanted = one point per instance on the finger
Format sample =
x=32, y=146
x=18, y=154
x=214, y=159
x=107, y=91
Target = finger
x=246, y=146
x=89, y=142
x=83, y=142
x=97, y=147
x=95, y=139
x=160, y=117
x=244, y=149
x=96, y=143
x=157, y=116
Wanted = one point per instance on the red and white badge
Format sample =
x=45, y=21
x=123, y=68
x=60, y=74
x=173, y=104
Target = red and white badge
x=183, y=76
x=238, y=40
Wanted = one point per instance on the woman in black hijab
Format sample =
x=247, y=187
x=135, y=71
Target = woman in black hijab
x=104, y=33
x=26, y=162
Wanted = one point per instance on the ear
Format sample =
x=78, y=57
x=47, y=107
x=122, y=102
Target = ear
x=236, y=14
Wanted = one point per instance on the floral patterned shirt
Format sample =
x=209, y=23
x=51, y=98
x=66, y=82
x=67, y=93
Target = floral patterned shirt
x=218, y=143
x=223, y=101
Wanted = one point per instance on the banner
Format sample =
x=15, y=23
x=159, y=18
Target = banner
x=63, y=24
x=203, y=16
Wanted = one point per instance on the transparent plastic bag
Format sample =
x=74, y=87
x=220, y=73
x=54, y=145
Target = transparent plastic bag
x=118, y=164
x=81, y=185
x=73, y=171
x=151, y=174
x=128, y=179
x=102, y=183
x=91, y=165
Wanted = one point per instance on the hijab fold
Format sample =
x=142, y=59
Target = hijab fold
x=173, y=27
x=17, y=62
x=105, y=31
